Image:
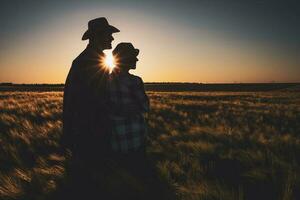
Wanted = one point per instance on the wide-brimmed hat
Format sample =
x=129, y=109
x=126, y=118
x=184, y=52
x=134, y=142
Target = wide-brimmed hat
x=125, y=50
x=98, y=25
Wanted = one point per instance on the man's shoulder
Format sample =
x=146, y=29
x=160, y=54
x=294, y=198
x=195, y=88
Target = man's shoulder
x=87, y=56
x=87, y=63
x=80, y=58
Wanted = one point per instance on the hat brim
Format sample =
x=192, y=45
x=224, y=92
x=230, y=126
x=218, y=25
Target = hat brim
x=129, y=53
x=109, y=28
x=133, y=53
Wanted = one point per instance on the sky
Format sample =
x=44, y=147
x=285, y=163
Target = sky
x=205, y=41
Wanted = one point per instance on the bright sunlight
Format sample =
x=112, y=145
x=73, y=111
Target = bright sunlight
x=109, y=60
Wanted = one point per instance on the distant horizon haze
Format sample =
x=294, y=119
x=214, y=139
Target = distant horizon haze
x=179, y=41
x=162, y=82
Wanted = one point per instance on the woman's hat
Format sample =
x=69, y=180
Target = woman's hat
x=125, y=49
x=98, y=24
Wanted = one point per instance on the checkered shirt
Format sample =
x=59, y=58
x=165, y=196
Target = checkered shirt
x=128, y=131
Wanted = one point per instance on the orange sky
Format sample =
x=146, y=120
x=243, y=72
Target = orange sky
x=170, y=50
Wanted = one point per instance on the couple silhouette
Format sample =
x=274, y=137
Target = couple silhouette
x=104, y=129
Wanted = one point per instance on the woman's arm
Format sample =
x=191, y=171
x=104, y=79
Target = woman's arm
x=140, y=95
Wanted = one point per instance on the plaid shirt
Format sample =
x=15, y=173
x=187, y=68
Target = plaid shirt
x=126, y=92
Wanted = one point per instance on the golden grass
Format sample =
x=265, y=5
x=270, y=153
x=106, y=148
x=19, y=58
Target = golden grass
x=205, y=145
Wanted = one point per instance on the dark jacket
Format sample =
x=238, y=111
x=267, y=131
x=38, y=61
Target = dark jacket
x=85, y=121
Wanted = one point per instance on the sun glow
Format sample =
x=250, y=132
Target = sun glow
x=109, y=61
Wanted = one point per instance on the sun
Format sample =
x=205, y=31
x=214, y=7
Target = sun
x=109, y=60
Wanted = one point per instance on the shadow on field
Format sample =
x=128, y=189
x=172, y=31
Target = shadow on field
x=241, y=165
x=117, y=177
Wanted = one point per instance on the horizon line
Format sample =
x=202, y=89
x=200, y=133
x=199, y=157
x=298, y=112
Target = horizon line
x=162, y=82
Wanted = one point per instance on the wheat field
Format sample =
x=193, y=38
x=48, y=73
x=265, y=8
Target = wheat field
x=204, y=145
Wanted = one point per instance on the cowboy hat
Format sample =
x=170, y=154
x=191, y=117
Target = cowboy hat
x=96, y=25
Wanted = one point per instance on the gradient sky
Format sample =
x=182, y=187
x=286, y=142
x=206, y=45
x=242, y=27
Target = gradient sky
x=184, y=41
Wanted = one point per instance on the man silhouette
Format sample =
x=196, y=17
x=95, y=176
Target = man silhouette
x=85, y=116
x=84, y=110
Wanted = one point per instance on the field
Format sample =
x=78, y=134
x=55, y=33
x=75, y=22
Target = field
x=204, y=145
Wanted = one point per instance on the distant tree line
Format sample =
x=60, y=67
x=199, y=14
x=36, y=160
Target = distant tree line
x=166, y=86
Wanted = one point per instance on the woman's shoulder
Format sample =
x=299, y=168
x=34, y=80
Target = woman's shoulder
x=135, y=78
